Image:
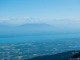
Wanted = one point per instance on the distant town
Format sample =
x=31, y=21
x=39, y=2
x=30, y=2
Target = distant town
x=30, y=49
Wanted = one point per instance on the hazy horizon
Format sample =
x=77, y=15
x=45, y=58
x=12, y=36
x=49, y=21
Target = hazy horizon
x=63, y=15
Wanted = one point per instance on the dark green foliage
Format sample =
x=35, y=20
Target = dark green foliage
x=59, y=56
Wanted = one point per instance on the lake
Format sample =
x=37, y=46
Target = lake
x=40, y=37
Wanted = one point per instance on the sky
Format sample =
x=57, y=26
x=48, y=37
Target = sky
x=62, y=14
x=43, y=9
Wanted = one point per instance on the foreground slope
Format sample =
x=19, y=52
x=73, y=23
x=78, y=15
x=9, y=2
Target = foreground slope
x=59, y=56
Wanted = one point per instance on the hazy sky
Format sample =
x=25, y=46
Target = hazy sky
x=47, y=9
x=62, y=14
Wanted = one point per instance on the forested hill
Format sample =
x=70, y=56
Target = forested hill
x=59, y=56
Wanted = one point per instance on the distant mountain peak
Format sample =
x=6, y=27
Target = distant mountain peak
x=35, y=25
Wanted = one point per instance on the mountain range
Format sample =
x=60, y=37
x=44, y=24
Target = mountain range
x=26, y=29
x=32, y=29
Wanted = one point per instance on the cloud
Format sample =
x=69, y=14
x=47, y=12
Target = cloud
x=62, y=24
x=28, y=18
x=54, y=22
x=19, y=21
x=4, y=19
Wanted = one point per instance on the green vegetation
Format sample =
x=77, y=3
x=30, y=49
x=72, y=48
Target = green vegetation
x=20, y=51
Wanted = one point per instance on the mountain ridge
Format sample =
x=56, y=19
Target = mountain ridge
x=26, y=29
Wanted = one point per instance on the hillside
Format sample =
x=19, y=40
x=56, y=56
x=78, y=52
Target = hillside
x=59, y=56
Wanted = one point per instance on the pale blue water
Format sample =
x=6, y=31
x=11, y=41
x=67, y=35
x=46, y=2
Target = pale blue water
x=76, y=46
x=41, y=37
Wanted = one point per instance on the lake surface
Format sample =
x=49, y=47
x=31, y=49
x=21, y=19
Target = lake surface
x=41, y=37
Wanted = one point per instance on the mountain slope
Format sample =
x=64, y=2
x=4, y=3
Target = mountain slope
x=26, y=29
x=59, y=56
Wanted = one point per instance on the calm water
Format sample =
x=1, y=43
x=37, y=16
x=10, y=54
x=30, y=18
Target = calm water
x=42, y=37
